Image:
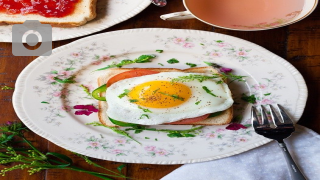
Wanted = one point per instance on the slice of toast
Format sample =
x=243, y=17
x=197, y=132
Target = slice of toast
x=221, y=119
x=84, y=11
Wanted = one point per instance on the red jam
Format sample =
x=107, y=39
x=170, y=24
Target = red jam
x=46, y=8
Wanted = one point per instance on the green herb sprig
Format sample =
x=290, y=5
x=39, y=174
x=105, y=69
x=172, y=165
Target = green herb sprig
x=208, y=91
x=250, y=99
x=193, y=77
x=15, y=148
x=6, y=88
x=174, y=96
x=140, y=59
x=125, y=93
x=173, y=61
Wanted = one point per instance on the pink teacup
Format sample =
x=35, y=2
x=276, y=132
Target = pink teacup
x=245, y=15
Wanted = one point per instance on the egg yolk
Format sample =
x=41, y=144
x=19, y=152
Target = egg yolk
x=160, y=94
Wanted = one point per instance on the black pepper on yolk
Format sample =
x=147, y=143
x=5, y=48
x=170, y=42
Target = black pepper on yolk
x=156, y=94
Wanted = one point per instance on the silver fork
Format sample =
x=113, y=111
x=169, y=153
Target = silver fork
x=283, y=129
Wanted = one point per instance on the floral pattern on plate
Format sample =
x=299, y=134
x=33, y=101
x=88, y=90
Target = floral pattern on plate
x=268, y=77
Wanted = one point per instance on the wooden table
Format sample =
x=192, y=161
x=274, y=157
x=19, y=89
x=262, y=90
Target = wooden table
x=298, y=43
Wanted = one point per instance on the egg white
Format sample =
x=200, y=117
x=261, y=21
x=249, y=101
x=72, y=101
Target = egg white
x=121, y=109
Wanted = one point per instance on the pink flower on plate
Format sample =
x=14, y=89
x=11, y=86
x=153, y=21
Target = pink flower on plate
x=65, y=74
x=222, y=44
x=119, y=141
x=188, y=45
x=242, y=53
x=76, y=54
x=51, y=77
x=56, y=94
x=116, y=151
x=104, y=58
x=260, y=86
x=94, y=144
x=161, y=152
x=220, y=130
x=178, y=40
x=66, y=108
x=150, y=148
x=210, y=135
x=216, y=54
x=266, y=101
x=96, y=62
x=241, y=139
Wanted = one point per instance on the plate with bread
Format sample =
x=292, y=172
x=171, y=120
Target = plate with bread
x=69, y=18
x=156, y=96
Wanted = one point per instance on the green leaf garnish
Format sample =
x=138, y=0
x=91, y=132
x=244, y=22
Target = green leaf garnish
x=191, y=65
x=215, y=114
x=250, y=99
x=85, y=89
x=155, y=91
x=140, y=59
x=144, y=110
x=144, y=115
x=159, y=51
x=193, y=77
x=198, y=102
x=212, y=64
x=133, y=100
x=208, y=91
x=174, y=96
x=126, y=92
x=17, y=152
x=6, y=88
x=69, y=80
x=114, y=129
x=173, y=61
x=233, y=77
x=119, y=168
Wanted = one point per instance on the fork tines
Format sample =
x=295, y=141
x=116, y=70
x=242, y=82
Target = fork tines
x=282, y=121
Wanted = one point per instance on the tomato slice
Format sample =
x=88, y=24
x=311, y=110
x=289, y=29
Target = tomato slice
x=190, y=120
x=130, y=74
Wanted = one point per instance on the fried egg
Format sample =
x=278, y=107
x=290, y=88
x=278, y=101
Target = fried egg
x=156, y=99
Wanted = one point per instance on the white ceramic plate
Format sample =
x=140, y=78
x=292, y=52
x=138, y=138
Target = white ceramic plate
x=109, y=13
x=270, y=78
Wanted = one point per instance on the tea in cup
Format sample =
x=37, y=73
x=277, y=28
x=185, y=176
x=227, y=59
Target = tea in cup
x=246, y=15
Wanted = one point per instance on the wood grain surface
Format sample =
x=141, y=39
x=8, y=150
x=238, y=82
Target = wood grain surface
x=298, y=43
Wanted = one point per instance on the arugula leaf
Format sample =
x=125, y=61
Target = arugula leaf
x=126, y=92
x=208, y=91
x=174, y=96
x=70, y=80
x=85, y=89
x=144, y=115
x=144, y=110
x=191, y=65
x=114, y=129
x=6, y=88
x=215, y=114
x=140, y=59
x=173, y=61
x=212, y=64
x=193, y=77
x=159, y=51
x=198, y=102
x=250, y=99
